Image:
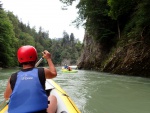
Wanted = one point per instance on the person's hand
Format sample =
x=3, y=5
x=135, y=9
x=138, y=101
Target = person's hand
x=46, y=54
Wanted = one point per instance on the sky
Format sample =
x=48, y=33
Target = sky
x=48, y=14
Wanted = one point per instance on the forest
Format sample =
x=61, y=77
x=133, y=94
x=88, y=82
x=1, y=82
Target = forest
x=14, y=33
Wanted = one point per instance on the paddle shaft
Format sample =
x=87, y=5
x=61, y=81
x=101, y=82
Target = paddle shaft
x=41, y=59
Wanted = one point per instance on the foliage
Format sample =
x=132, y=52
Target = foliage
x=66, y=48
x=120, y=8
x=7, y=41
x=139, y=25
x=105, y=19
x=67, y=2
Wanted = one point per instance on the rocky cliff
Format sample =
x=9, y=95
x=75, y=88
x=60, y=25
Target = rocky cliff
x=131, y=59
x=92, y=54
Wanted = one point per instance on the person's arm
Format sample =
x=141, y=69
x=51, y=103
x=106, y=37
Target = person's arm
x=8, y=90
x=51, y=71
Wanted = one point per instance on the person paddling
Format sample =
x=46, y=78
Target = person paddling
x=69, y=68
x=26, y=88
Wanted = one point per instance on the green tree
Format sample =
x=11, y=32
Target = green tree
x=56, y=50
x=15, y=23
x=26, y=39
x=67, y=2
x=7, y=41
x=140, y=21
x=119, y=10
x=65, y=41
x=0, y=5
x=72, y=39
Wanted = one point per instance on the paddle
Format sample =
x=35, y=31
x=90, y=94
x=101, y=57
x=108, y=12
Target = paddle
x=41, y=59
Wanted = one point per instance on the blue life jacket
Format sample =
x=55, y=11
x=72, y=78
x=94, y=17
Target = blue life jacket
x=65, y=67
x=28, y=95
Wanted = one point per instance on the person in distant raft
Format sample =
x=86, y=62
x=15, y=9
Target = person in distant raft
x=66, y=66
x=69, y=68
x=26, y=88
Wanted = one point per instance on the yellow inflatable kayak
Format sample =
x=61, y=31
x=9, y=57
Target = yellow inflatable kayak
x=65, y=104
x=67, y=71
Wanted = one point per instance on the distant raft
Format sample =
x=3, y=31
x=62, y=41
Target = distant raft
x=67, y=71
x=65, y=103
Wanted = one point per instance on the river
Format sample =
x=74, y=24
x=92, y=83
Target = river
x=96, y=92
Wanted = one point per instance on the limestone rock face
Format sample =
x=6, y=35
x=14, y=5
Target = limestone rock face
x=131, y=59
x=92, y=54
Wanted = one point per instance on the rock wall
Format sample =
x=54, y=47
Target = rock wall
x=92, y=54
x=132, y=59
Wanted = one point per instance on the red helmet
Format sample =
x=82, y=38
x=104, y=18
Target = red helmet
x=27, y=54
